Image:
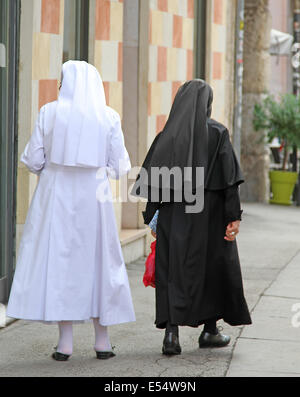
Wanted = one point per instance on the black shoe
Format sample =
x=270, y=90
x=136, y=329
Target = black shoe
x=171, y=344
x=60, y=356
x=210, y=340
x=105, y=355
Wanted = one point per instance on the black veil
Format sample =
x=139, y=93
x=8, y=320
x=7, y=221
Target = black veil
x=184, y=142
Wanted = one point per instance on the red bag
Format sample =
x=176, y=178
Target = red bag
x=149, y=276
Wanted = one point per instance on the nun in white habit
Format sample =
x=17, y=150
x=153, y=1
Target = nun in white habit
x=70, y=266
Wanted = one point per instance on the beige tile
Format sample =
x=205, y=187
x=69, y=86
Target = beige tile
x=183, y=8
x=152, y=63
x=188, y=33
x=166, y=95
x=167, y=29
x=218, y=37
x=41, y=56
x=106, y=59
x=153, y=4
x=34, y=103
x=156, y=98
x=172, y=56
x=37, y=11
x=157, y=28
x=181, y=64
x=173, y=6
x=219, y=100
x=98, y=56
x=116, y=21
x=61, y=17
x=56, y=49
x=151, y=130
x=116, y=96
x=22, y=194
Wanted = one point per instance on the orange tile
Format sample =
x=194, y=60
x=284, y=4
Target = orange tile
x=175, y=87
x=162, y=64
x=190, y=64
x=120, y=62
x=106, y=90
x=177, y=31
x=102, y=20
x=218, y=11
x=149, y=99
x=190, y=11
x=217, y=65
x=50, y=16
x=48, y=90
x=160, y=123
x=162, y=5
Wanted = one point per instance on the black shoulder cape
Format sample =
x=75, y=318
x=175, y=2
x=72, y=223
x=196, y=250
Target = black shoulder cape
x=191, y=138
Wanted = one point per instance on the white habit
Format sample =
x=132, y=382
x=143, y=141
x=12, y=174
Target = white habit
x=70, y=265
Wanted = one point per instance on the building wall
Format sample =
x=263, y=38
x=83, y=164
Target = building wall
x=281, y=69
x=108, y=51
x=106, y=20
x=219, y=56
x=171, y=57
x=41, y=47
x=171, y=43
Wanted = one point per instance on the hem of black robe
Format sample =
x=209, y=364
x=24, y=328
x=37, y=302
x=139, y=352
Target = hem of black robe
x=233, y=323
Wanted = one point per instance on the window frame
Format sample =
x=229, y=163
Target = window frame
x=10, y=21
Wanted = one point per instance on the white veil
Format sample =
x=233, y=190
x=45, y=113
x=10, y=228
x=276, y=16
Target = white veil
x=81, y=125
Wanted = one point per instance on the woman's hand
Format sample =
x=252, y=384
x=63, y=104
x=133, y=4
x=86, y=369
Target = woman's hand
x=153, y=233
x=232, y=230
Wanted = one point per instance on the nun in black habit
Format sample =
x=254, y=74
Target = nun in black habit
x=197, y=268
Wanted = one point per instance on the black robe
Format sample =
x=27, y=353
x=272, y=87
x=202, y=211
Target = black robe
x=198, y=274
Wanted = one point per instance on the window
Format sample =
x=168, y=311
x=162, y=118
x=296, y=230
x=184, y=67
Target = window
x=200, y=38
x=76, y=29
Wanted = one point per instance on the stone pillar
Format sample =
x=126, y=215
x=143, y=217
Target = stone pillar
x=135, y=95
x=254, y=153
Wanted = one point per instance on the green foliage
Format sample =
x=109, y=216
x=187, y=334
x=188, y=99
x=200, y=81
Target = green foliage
x=279, y=119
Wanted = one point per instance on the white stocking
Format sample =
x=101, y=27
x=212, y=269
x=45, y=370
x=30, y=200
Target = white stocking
x=65, y=343
x=102, y=342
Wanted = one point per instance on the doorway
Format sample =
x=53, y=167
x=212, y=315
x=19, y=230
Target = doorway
x=9, y=33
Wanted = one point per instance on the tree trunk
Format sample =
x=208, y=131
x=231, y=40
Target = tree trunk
x=254, y=153
x=285, y=156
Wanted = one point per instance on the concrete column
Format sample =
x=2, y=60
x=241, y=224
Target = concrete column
x=254, y=153
x=92, y=23
x=135, y=93
x=231, y=8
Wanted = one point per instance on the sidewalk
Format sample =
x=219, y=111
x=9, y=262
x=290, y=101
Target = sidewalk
x=269, y=247
x=271, y=347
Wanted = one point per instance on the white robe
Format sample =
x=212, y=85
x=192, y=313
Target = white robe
x=70, y=264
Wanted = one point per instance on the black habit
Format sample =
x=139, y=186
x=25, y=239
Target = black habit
x=198, y=274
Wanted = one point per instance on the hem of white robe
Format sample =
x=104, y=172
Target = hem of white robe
x=81, y=321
